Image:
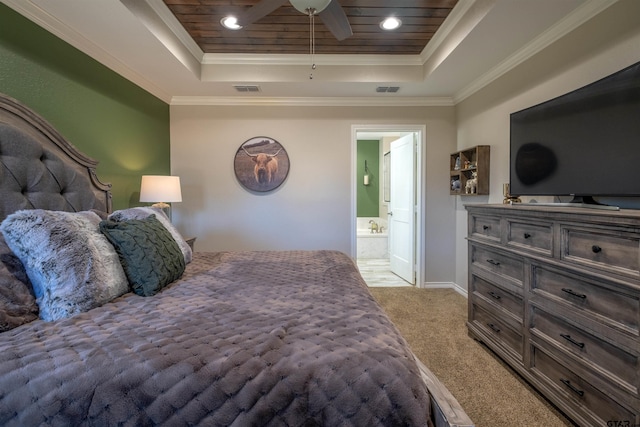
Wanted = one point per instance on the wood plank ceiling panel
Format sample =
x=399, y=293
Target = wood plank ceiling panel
x=286, y=31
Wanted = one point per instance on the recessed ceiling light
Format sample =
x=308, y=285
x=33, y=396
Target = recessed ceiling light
x=390, y=23
x=230, y=22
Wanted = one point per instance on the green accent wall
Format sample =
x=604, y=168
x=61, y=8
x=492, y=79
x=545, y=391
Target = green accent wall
x=103, y=114
x=368, y=196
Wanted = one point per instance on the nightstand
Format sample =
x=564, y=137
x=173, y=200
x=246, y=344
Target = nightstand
x=191, y=241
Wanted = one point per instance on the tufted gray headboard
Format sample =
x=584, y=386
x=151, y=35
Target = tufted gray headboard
x=40, y=169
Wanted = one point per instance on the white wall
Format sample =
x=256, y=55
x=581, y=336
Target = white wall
x=604, y=45
x=313, y=208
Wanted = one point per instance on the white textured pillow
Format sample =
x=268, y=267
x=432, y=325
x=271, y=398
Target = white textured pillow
x=145, y=212
x=71, y=265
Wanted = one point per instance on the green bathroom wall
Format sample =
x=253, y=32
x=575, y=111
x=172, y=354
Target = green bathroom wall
x=104, y=115
x=368, y=196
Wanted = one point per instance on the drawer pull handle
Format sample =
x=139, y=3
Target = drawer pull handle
x=527, y=235
x=574, y=293
x=572, y=387
x=493, y=262
x=596, y=249
x=493, y=327
x=485, y=227
x=572, y=341
x=493, y=294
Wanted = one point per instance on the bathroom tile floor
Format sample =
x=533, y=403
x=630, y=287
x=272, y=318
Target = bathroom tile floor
x=377, y=272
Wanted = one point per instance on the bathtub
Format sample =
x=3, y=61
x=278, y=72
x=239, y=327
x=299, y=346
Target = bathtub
x=371, y=245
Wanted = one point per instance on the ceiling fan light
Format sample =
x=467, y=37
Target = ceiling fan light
x=304, y=5
x=390, y=23
x=230, y=22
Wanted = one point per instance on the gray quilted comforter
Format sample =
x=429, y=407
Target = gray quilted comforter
x=243, y=339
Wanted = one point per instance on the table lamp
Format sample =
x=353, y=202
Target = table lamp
x=160, y=190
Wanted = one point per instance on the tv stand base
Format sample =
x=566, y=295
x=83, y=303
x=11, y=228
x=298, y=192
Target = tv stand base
x=574, y=205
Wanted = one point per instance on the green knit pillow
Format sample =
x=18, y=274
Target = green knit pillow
x=150, y=256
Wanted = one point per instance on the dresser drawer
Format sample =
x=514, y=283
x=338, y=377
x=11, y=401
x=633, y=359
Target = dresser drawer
x=612, y=305
x=483, y=226
x=579, y=392
x=618, y=363
x=498, y=329
x=498, y=263
x=480, y=288
x=531, y=236
x=614, y=251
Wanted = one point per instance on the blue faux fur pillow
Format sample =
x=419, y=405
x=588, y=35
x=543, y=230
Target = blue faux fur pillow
x=71, y=265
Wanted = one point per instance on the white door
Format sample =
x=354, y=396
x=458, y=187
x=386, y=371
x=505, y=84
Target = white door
x=402, y=207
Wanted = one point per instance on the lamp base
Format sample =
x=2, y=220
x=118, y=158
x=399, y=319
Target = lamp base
x=160, y=205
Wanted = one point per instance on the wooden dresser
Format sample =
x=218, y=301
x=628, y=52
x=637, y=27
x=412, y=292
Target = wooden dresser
x=555, y=292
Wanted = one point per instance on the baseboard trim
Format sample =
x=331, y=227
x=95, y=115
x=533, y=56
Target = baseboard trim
x=445, y=285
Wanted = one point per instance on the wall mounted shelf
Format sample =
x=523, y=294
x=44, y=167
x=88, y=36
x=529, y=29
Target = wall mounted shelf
x=462, y=166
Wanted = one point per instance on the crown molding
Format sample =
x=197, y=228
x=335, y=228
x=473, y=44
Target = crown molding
x=58, y=28
x=169, y=19
x=572, y=21
x=303, y=59
x=449, y=24
x=314, y=101
x=164, y=33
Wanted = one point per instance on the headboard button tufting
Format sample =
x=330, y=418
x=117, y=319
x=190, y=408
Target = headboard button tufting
x=36, y=161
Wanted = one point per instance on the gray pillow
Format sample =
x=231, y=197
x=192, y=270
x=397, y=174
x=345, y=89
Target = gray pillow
x=144, y=212
x=17, y=303
x=149, y=255
x=71, y=265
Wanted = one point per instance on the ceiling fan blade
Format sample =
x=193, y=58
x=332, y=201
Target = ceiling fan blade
x=259, y=10
x=336, y=21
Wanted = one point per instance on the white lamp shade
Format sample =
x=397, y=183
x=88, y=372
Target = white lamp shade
x=160, y=188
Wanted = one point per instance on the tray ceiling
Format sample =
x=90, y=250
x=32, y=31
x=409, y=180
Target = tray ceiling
x=177, y=50
x=286, y=30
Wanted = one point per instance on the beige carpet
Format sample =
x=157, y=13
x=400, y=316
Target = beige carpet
x=433, y=322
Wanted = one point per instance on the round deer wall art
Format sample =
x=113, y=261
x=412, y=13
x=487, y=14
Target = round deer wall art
x=261, y=164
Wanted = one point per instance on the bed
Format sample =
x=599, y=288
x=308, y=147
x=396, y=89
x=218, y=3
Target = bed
x=109, y=318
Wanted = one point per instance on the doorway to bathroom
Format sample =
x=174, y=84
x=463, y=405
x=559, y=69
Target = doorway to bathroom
x=387, y=203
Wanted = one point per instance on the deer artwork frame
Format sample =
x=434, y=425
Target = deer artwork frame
x=261, y=164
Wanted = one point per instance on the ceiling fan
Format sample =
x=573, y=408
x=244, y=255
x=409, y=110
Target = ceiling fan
x=329, y=11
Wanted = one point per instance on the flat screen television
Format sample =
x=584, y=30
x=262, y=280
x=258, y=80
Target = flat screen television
x=585, y=143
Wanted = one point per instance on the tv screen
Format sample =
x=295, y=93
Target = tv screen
x=583, y=143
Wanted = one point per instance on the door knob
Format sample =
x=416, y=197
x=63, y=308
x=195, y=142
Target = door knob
x=390, y=213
